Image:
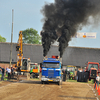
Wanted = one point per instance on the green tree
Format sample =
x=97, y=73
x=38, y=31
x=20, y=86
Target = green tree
x=30, y=36
x=2, y=39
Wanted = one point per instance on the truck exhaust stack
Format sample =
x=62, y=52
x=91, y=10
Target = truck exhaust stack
x=45, y=58
x=60, y=60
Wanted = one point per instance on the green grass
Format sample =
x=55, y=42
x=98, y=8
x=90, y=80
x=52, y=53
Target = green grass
x=4, y=77
x=71, y=80
x=89, y=82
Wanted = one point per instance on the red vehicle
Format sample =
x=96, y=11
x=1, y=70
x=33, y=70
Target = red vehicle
x=90, y=72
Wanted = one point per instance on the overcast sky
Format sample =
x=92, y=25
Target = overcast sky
x=27, y=15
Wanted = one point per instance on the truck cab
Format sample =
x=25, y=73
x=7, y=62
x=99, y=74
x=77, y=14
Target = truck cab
x=51, y=71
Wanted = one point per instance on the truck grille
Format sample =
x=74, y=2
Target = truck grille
x=50, y=73
x=93, y=73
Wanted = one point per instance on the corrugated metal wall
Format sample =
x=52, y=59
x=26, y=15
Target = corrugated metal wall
x=72, y=55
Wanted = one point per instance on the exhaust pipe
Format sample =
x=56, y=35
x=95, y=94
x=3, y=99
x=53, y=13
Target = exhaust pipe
x=45, y=58
x=60, y=60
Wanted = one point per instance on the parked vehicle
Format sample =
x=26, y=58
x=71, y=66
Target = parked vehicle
x=72, y=72
x=34, y=70
x=89, y=73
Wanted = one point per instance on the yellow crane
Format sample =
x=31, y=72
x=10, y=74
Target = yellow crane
x=19, y=49
x=23, y=64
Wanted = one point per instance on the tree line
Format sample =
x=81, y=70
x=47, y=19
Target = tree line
x=30, y=36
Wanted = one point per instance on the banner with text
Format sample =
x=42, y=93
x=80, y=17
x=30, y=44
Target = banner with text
x=91, y=35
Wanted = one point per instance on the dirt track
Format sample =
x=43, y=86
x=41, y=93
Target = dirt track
x=34, y=90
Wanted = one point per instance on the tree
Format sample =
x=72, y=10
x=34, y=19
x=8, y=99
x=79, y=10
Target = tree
x=2, y=39
x=30, y=36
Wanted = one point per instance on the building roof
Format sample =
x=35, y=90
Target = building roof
x=76, y=56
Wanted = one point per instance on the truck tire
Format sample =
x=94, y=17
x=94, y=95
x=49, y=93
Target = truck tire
x=82, y=77
x=31, y=75
x=42, y=82
x=60, y=82
x=86, y=76
x=77, y=76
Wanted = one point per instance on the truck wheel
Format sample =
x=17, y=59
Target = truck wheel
x=86, y=77
x=60, y=82
x=31, y=75
x=77, y=79
x=42, y=82
x=80, y=77
x=89, y=79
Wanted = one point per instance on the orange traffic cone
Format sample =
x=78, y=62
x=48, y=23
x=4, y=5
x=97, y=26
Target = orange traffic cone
x=94, y=85
x=98, y=90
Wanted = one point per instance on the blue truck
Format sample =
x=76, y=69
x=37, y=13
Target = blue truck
x=51, y=70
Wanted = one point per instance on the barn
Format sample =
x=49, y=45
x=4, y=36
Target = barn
x=77, y=56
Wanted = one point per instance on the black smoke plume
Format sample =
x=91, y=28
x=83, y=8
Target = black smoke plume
x=63, y=18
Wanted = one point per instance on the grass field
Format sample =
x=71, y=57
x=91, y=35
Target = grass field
x=89, y=82
x=5, y=76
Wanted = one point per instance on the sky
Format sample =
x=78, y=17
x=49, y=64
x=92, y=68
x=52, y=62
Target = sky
x=27, y=14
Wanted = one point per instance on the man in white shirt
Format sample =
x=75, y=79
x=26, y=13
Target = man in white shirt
x=97, y=81
x=9, y=72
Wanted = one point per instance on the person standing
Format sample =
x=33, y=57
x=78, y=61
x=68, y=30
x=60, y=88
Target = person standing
x=64, y=75
x=97, y=81
x=6, y=71
x=9, y=73
x=3, y=71
x=12, y=72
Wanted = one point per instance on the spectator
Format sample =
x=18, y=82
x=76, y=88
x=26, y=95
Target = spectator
x=97, y=81
x=12, y=72
x=64, y=75
x=9, y=72
x=6, y=71
x=3, y=71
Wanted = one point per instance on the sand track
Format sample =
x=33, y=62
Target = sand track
x=34, y=90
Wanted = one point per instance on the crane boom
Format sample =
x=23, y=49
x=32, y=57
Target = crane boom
x=19, y=49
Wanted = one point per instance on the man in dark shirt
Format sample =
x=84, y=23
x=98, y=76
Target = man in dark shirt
x=3, y=71
x=12, y=72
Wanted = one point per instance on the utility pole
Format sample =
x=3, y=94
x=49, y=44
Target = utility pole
x=11, y=40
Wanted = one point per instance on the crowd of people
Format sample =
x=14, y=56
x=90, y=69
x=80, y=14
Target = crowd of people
x=9, y=71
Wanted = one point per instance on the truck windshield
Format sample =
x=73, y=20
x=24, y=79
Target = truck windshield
x=92, y=66
x=24, y=63
x=33, y=66
x=51, y=65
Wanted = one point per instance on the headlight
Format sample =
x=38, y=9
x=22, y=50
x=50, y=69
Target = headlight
x=43, y=76
x=58, y=77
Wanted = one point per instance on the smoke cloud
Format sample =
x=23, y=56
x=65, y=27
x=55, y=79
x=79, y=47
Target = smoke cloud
x=63, y=18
